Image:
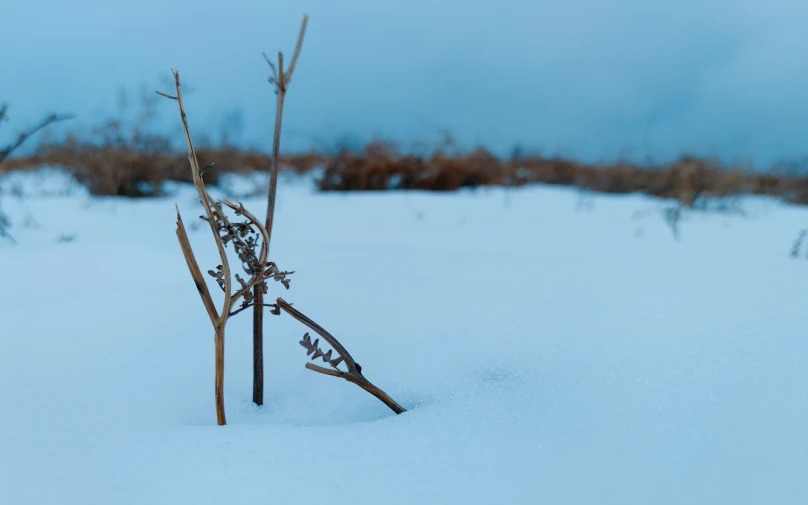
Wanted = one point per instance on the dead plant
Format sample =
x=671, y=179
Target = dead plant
x=354, y=372
x=280, y=80
x=243, y=237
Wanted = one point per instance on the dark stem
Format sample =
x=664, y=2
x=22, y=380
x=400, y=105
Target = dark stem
x=281, y=81
x=242, y=309
x=382, y=396
x=258, y=312
x=258, y=345
x=219, y=382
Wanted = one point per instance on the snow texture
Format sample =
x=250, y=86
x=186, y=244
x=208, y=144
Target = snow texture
x=551, y=347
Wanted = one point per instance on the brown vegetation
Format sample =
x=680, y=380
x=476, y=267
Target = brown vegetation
x=687, y=179
x=137, y=165
x=138, y=171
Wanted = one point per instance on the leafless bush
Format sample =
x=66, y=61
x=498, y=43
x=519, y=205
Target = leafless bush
x=133, y=160
x=5, y=152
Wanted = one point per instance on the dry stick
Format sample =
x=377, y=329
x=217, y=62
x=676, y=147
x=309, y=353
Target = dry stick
x=281, y=82
x=220, y=320
x=354, y=373
x=193, y=266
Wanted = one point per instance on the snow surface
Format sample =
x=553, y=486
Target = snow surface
x=551, y=347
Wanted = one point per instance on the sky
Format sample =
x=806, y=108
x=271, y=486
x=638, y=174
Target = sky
x=591, y=79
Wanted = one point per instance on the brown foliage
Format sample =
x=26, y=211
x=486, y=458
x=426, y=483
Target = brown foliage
x=138, y=168
x=687, y=180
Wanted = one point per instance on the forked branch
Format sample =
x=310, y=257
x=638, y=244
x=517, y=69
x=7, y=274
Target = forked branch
x=354, y=372
x=219, y=320
x=25, y=135
x=280, y=80
x=242, y=236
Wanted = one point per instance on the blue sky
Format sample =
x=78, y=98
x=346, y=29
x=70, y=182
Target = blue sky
x=586, y=78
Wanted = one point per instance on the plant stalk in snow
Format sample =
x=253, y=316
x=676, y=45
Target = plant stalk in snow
x=280, y=80
x=223, y=232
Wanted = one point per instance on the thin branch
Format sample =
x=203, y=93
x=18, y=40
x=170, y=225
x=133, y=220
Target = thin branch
x=288, y=77
x=280, y=82
x=206, y=199
x=166, y=95
x=274, y=79
x=276, y=147
x=332, y=341
x=281, y=86
x=245, y=307
x=354, y=373
x=326, y=371
x=8, y=150
x=53, y=118
x=196, y=273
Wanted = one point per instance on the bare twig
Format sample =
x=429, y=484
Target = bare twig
x=354, y=373
x=166, y=95
x=196, y=273
x=22, y=137
x=245, y=307
x=274, y=77
x=298, y=47
x=280, y=81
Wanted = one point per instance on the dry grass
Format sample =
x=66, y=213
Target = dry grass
x=137, y=167
x=687, y=180
x=138, y=171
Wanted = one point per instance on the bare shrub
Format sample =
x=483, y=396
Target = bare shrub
x=7, y=151
x=135, y=161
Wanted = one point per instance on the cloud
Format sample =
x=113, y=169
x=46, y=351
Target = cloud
x=590, y=78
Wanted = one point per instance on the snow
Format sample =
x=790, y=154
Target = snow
x=551, y=347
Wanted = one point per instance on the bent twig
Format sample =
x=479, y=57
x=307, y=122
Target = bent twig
x=354, y=373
